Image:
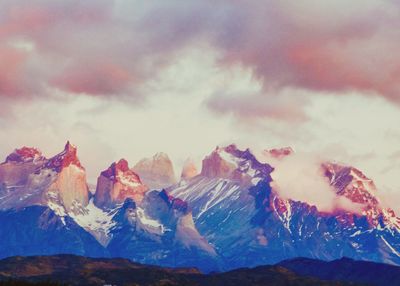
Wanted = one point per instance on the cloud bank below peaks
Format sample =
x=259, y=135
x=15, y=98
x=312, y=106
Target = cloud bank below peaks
x=300, y=177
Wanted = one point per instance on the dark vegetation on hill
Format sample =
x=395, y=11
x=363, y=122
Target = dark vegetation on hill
x=60, y=270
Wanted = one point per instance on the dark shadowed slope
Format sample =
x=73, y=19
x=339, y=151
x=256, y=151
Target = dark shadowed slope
x=346, y=269
x=77, y=270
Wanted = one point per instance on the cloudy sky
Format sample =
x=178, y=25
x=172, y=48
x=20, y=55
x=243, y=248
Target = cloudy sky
x=130, y=78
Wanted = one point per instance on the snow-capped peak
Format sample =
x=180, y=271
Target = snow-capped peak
x=231, y=163
x=358, y=188
x=351, y=183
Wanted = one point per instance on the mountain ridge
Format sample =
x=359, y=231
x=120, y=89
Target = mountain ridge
x=227, y=216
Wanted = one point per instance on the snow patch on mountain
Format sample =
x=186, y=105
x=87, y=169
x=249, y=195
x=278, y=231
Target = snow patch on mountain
x=149, y=224
x=233, y=164
x=96, y=221
x=58, y=209
x=214, y=190
x=394, y=251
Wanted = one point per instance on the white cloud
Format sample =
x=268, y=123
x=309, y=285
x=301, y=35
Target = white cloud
x=300, y=177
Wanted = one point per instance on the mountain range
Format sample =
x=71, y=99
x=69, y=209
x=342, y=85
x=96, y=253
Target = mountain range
x=228, y=215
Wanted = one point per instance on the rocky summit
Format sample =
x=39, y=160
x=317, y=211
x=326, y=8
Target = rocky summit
x=156, y=172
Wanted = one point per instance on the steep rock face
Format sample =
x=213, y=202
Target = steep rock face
x=156, y=172
x=189, y=170
x=233, y=164
x=64, y=159
x=69, y=187
x=160, y=231
x=21, y=183
x=216, y=166
x=250, y=224
x=27, y=178
x=116, y=184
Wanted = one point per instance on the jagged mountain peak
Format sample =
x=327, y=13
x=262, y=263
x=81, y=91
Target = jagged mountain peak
x=351, y=183
x=354, y=185
x=58, y=182
x=120, y=171
x=156, y=172
x=118, y=183
x=122, y=165
x=69, y=156
x=69, y=147
x=24, y=155
x=70, y=182
x=157, y=157
x=161, y=156
x=232, y=163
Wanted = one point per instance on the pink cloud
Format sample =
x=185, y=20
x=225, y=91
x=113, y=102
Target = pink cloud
x=333, y=46
x=11, y=71
x=318, y=47
x=94, y=79
x=26, y=73
x=24, y=20
x=247, y=107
